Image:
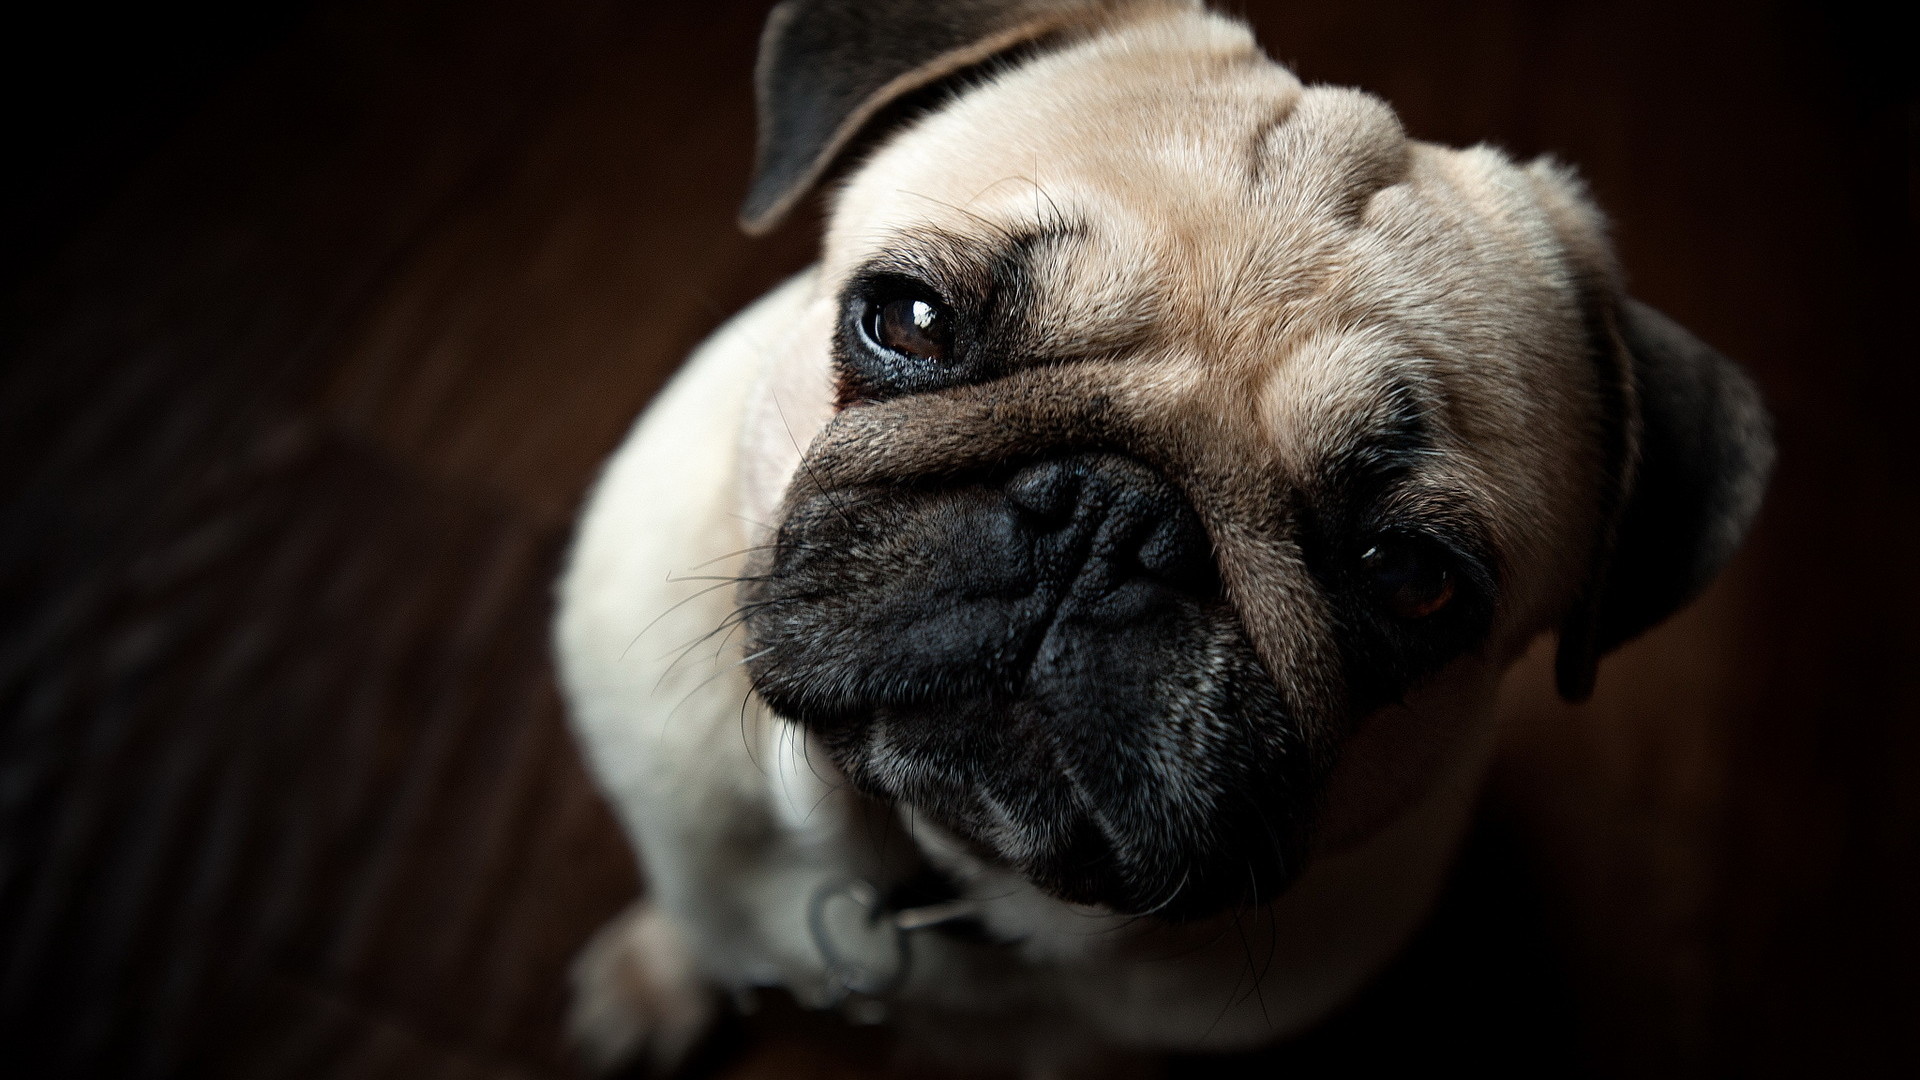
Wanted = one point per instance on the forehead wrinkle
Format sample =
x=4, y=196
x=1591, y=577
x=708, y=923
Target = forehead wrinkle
x=1339, y=399
x=1250, y=268
x=1256, y=146
x=1086, y=297
x=1176, y=192
x=1323, y=395
x=1265, y=573
x=950, y=256
x=1092, y=300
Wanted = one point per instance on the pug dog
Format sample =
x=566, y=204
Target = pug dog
x=1062, y=622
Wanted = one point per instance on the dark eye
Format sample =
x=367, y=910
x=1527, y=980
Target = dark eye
x=913, y=326
x=1411, y=578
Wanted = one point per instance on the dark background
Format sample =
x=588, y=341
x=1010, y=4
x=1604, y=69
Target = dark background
x=319, y=317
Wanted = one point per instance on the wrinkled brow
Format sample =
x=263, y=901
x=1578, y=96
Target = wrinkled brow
x=1003, y=261
x=1384, y=433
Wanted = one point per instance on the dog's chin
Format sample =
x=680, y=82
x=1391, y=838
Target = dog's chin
x=1011, y=808
x=1046, y=665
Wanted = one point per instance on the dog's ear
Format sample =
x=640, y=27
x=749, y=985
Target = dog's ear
x=1693, y=451
x=827, y=67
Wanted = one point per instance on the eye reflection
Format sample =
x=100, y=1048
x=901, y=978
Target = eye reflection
x=914, y=327
x=1411, y=578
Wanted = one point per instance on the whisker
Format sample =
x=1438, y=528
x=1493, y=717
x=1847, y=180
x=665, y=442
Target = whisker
x=1005, y=232
x=832, y=789
x=675, y=607
x=697, y=687
x=733, y=618
x=745, y=739
x=733, y=554
x=807, y=467
x=1233, y=994
x=750, y=521
x=1259, y=974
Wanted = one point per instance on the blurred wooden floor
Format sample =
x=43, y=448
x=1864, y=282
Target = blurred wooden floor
x=305, y=377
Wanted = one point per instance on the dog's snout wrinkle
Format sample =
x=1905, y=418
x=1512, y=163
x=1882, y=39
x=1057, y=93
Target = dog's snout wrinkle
x=1026, y=654
x=1106, y=523
x=1045, y=494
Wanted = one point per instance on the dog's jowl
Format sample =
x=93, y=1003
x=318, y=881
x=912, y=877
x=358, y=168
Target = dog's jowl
x=1133, y=512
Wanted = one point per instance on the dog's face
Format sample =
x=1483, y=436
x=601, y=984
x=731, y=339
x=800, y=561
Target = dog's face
x=1193, y=427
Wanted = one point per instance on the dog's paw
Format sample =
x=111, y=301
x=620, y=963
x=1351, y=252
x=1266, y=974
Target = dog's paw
x=638, y=999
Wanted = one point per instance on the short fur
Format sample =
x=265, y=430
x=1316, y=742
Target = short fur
x=1073, y=625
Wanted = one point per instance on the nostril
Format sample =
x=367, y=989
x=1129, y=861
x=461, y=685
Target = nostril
x=1108, y=514
x=1046, y=492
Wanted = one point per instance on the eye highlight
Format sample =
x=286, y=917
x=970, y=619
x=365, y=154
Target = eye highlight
x=918, y=327
x=1411, y=578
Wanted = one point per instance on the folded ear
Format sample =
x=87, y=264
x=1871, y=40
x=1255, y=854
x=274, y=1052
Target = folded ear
x=1696, y=452
x=827, y=67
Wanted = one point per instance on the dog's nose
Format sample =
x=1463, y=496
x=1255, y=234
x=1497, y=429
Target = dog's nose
x=1105, y=520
